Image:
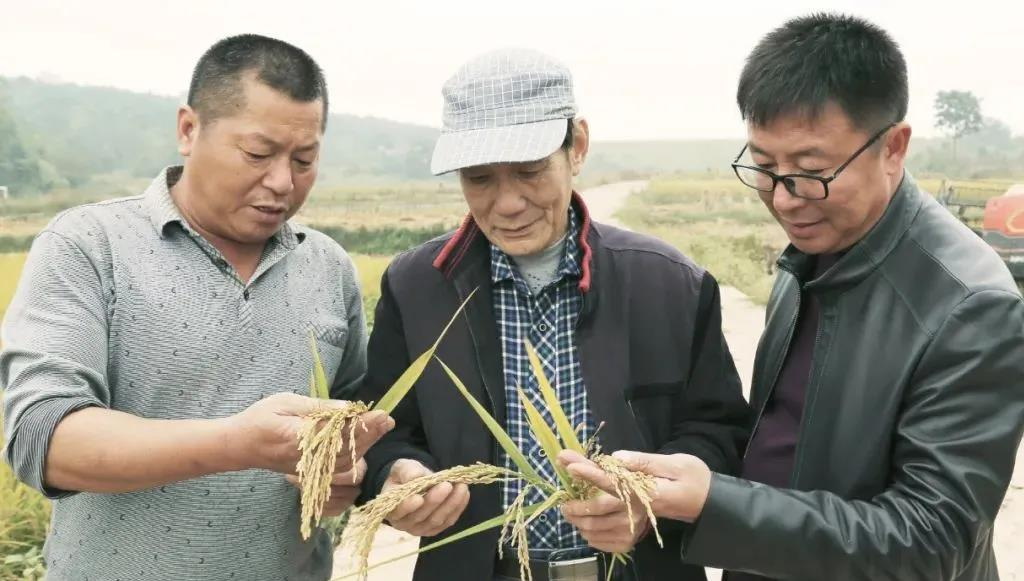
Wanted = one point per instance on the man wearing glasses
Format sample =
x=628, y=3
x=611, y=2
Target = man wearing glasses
x=889, y=382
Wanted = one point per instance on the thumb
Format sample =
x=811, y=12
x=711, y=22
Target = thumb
x=406, y=470
x=291, y=404
x=657, y=465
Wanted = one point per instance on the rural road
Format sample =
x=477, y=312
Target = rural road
x=742, y=321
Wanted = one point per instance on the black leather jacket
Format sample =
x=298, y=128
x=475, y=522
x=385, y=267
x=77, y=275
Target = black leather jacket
x=914, y=411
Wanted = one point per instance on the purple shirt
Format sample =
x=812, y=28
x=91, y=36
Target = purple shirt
x=770, y=455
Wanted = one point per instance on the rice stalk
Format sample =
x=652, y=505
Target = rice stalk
x=626, y=484
x=526, y=469
x=366, y=520
x=491, y=523
x=515, y=521
x=320, y=439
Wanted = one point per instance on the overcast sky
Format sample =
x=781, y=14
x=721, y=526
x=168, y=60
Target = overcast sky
x=643, y=69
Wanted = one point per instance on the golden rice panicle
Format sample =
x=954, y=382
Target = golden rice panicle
x=320, y=441
x=513, y=533
x=629, y=484
x=367, y=519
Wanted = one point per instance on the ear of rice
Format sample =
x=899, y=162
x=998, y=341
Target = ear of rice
x=504, y=440
x=629, y=485
x=367, y=519
x=562, y=423
x=405, y=382
x=513, y=532
x=486, y=525
x=320, y=441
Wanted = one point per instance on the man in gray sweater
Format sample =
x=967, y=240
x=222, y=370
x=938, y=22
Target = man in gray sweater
x=156, y=347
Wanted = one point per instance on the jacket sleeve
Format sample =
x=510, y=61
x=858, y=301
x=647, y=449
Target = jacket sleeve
x=953, y=456
x=711, y=420
x=387, y=358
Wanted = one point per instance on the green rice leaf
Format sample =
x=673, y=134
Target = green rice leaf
x=562, y=423
x=504, y=440
x=411, y=375
x=479, y=528
x=546, y=438
x=318, y=383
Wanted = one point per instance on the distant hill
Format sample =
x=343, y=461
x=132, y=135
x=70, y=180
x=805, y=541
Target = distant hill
x=86, y=131
x=61, y=135
x=659, y=157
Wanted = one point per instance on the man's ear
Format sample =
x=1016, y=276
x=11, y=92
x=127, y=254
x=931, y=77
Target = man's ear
x=580, y=145
x=188, y=129
x=897, y=144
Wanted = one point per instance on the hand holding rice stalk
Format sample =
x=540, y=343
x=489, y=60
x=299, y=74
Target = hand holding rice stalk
x=626, y=484
x=321, y=438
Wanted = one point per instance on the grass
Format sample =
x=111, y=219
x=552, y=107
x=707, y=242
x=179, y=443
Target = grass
x=381, y=239
x=24, y=516
x=358, y=239
x=723, y=226
x=367, y=218
x=370, y=269
x=10, y=272
x=717, y=222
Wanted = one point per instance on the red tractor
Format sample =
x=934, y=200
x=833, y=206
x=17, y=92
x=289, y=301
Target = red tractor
x=1003, y=228
x=996, y=216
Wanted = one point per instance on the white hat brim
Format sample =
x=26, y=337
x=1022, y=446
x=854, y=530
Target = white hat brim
x=507, y=144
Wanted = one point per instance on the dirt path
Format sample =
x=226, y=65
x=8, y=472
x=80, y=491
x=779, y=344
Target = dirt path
x=742, y=321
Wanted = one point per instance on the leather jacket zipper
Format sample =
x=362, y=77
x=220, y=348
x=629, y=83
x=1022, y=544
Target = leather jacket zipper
x=778, y=371
x=810, y=398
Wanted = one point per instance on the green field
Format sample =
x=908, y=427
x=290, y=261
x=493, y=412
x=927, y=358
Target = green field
x=24, y=515
x=717, y=222
x=723, y=226
x=10, y=272
x=370, y=269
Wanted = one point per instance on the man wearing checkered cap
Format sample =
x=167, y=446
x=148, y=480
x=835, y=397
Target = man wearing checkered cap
x=628, y=330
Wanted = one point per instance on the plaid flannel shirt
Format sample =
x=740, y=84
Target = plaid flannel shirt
x=548, y=320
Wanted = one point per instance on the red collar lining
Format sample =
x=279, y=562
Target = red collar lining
x=456, y=248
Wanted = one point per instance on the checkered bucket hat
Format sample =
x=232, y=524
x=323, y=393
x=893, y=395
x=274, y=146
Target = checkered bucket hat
x=504, y=106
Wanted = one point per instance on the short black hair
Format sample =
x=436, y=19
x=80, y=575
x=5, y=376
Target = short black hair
x=570, y=135
x=216, y=81
x=813, y=60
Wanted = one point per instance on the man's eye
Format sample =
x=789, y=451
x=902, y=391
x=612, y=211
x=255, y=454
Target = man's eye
x=303, y=163
x=529, y=173
x=813, y=172
x=477, y=179
x=255, y=156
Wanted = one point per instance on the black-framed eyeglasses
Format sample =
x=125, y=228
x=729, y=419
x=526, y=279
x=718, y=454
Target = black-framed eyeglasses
x=797, y=184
